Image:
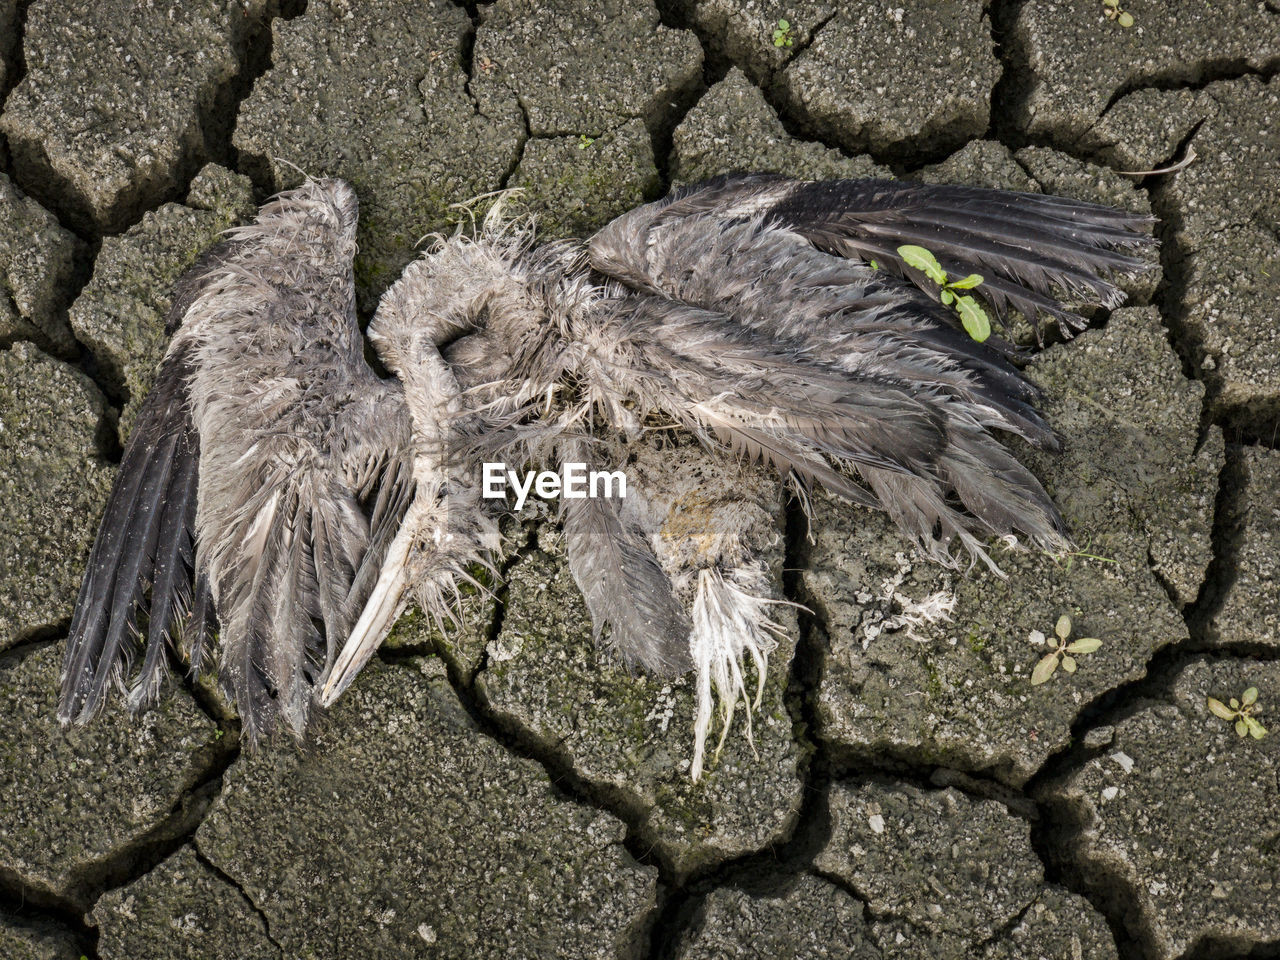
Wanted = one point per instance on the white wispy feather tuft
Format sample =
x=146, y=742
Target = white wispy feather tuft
x=730, y=623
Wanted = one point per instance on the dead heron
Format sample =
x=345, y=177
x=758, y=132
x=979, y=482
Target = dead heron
x=774, y=320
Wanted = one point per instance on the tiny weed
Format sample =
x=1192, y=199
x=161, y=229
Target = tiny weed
x=584, y=141
x=1113, y=11
x=1241, y=711
x=1067, y=560
x=975, y=320
x=782, y=36
x=1063, y=654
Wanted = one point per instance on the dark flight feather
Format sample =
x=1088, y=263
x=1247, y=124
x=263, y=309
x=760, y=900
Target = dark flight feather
x=153, y=492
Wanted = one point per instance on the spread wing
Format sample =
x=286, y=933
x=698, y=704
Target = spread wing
x=1028, y=247
x=267, y=475
x=296, y=557
x=752, y=315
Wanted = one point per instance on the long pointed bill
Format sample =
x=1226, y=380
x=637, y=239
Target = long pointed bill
x=376, y=620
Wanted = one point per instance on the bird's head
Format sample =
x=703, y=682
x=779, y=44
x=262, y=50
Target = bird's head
x=438, y=298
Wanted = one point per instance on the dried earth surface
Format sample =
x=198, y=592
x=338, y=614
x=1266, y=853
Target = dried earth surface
x=506, y=791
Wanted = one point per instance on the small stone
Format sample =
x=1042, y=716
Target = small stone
x=1099, y=737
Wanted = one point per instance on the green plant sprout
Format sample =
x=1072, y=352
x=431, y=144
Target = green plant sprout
x=1112, y=10
x=1068, y=559
x=975, y=320
x=584, y=141
x=1241, y=711
x=782, y=34
x=1064, y=653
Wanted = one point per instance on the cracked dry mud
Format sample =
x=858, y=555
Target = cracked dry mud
x=507, y=792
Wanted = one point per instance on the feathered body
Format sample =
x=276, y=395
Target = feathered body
x=773, y=320
x=269, y=468
x=773, y=323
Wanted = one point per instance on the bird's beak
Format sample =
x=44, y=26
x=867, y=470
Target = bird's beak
x=370, y=630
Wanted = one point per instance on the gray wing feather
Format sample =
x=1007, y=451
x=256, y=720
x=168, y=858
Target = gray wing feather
x=853, y=371
x=1026, y=245
x=623, y=585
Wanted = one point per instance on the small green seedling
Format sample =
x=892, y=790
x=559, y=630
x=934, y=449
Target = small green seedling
x=975, y=320
x=1067, y=560
x=1241, y=711
x=1064, y=653
x=584, y=141
x=1112, y=10
x=782, y=34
